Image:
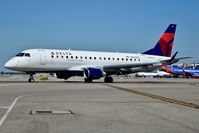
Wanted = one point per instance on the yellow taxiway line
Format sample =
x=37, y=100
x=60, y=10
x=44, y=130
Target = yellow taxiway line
x=166, y=99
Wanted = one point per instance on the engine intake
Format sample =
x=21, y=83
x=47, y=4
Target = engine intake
x=93, y=73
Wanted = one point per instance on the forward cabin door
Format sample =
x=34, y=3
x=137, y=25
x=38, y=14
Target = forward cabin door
x=43, y=58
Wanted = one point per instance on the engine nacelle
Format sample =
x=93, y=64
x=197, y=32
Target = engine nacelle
x=93, y=73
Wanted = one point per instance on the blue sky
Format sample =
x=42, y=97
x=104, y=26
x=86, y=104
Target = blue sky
x=102, y=25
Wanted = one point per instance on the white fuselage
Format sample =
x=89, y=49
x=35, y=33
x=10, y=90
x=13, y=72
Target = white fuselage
x=46, y=60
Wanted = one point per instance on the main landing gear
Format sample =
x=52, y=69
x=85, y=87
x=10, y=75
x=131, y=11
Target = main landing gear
x=108, y=79
x=31, y=78
x=88, y=80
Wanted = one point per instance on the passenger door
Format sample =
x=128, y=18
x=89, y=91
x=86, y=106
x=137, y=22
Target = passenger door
x=43, y=58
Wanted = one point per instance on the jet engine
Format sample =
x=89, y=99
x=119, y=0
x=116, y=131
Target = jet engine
x=93, y=73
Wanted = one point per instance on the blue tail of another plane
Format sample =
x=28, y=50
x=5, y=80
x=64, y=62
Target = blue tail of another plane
x=165, y=43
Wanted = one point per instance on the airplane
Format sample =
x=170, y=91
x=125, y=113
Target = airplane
x=153, y=74
x=94, y=65
x=181, y=71
x=192, y=72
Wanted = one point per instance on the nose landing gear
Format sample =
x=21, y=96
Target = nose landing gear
x=31, y=78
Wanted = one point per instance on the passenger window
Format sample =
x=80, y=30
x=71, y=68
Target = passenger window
x=66, y=57
x=113, y=58
x=71, y=57
x=104, y=58
x=100, y=58
x=122, y=59
x=80, y=57
x=85, y=57
x=95, y=58
x=76, y=57
x=109, y=58
x=90, y=57
x=130, y=59
x=118, y=59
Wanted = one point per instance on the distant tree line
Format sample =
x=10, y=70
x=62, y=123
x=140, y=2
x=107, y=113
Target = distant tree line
x=11, y=73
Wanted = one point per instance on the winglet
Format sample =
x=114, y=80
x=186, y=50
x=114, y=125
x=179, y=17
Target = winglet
x=173, y=57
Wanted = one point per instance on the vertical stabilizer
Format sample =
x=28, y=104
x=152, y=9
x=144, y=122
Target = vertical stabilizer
x=165, y=44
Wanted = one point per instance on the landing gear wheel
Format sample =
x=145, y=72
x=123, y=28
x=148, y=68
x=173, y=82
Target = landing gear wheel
x=31, y=79
x=88, y=80
x=108, y=79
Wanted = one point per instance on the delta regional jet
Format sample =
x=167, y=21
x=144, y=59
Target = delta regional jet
x=94, y=65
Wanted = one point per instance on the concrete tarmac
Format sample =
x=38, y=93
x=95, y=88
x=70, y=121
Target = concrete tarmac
x=98, y=108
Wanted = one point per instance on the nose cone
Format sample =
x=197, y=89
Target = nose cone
x=10, y=64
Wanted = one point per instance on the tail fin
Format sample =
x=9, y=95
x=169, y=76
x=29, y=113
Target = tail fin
x=165, y=44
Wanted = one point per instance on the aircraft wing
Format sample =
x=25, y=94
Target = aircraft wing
x=127, y=65
x=123, y=67
x=149, y=66
x=120, y=67
x=172, y=61
x=135, y=67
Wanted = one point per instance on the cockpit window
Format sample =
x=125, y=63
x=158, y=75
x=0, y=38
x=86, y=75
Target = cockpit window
x=23, y=54
x=27, y=55
x=20, y=54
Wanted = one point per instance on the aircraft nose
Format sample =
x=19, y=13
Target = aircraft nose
x=9, y=64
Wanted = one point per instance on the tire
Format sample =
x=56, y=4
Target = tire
x=88, y=80
x=30, y=80
x=108, y=79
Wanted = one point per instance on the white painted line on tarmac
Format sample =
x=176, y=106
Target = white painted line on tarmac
x=13, y=104
x=10, y=109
